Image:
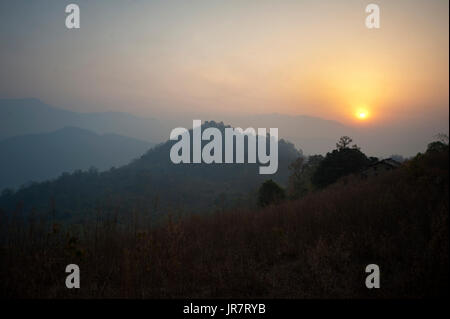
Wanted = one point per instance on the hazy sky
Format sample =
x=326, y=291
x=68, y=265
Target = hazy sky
x=232, y=57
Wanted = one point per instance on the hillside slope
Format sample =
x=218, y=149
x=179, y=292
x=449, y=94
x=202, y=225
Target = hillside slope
x=39, y=157
x=315, y=247
x=154, y=182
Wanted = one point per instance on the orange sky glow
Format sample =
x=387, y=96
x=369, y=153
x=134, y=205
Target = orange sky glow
x=239, y=57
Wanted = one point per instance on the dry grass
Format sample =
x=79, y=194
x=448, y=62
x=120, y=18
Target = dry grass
x=316, y=247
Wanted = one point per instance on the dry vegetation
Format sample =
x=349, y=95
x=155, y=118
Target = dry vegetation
x=317, y=246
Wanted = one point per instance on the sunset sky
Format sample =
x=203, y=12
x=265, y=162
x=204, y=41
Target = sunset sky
x=163, y=58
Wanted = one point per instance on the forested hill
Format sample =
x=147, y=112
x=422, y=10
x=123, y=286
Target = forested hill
x=151, y=184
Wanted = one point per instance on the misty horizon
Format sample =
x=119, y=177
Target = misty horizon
x=403, y=141
x=174, y=62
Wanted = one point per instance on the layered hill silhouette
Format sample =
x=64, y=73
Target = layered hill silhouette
x=37, y=157
x=153, y=183
x=313, y=135
x=30, y=116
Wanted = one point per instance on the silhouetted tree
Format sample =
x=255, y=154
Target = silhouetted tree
x=442, y=137
x=270, y=193
x=340, y=162
x=441, y=144
x=343, y=142
x=437, y=146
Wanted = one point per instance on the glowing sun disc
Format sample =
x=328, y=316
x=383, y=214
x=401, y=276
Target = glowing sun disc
x=362, y=114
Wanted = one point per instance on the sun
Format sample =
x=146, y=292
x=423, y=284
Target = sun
x=362, y=114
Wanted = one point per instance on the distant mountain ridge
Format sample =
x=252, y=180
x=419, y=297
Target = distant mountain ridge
x=313, y=135
x=28, y=116
x=25, y=116
x=39, y=157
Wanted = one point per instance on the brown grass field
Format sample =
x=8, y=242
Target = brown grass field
x=314, y=247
